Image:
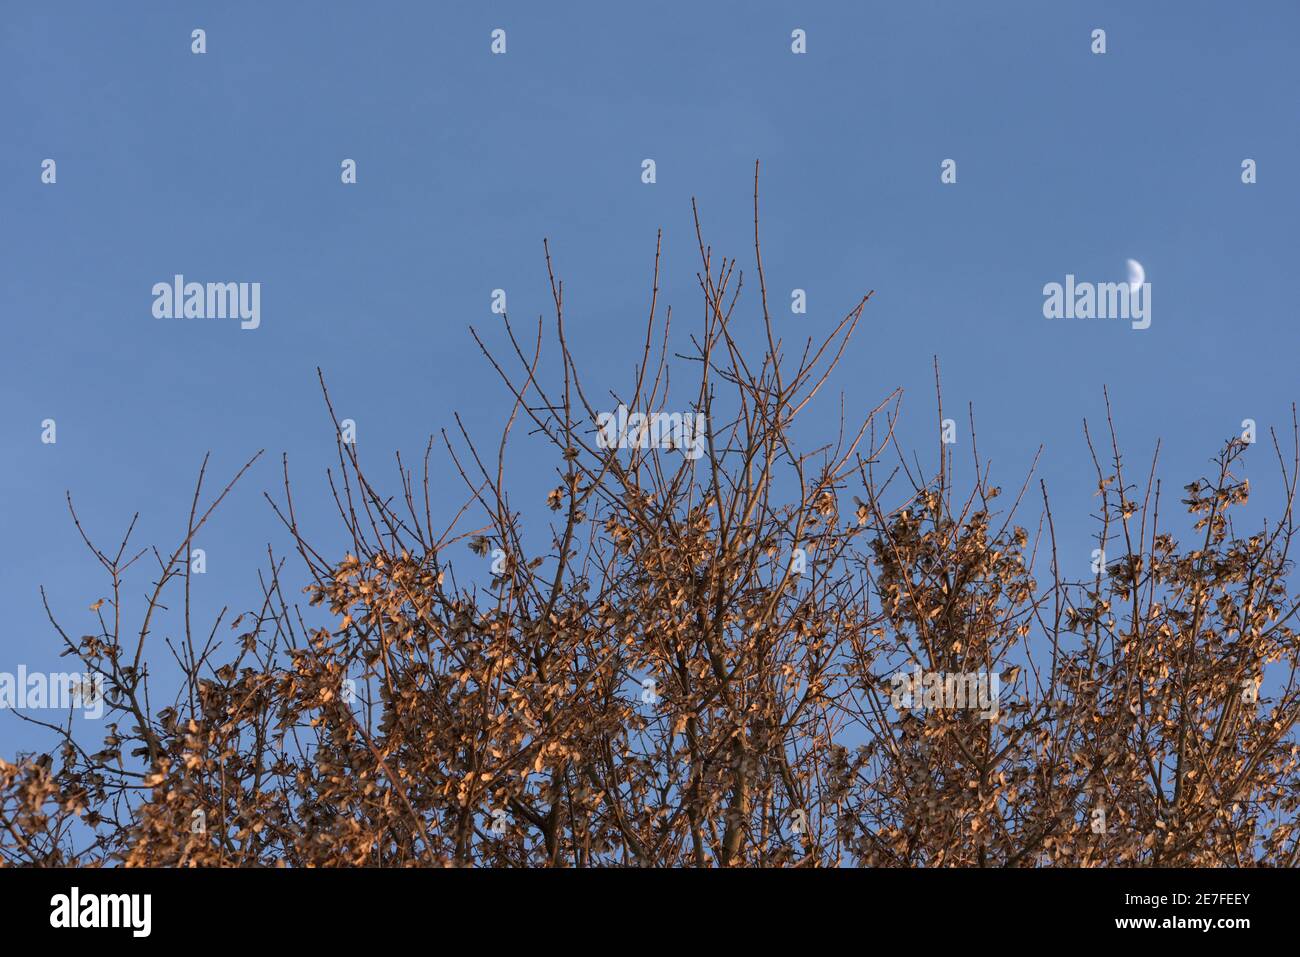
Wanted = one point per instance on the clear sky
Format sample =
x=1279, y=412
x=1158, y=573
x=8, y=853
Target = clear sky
x=225, y=166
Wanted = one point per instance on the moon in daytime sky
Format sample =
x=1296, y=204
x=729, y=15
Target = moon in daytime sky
x=1136, y=274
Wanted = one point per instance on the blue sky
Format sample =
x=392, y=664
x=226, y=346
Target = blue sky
x=225, y=167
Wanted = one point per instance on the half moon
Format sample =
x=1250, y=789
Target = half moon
x=1136, y=274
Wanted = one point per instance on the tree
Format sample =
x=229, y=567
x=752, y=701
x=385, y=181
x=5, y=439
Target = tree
x=698, y=662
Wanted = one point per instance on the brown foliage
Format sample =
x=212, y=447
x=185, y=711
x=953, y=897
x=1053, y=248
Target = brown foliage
x=503, y=724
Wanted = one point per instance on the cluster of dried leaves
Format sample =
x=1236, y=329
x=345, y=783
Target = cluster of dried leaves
x=657, y=682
